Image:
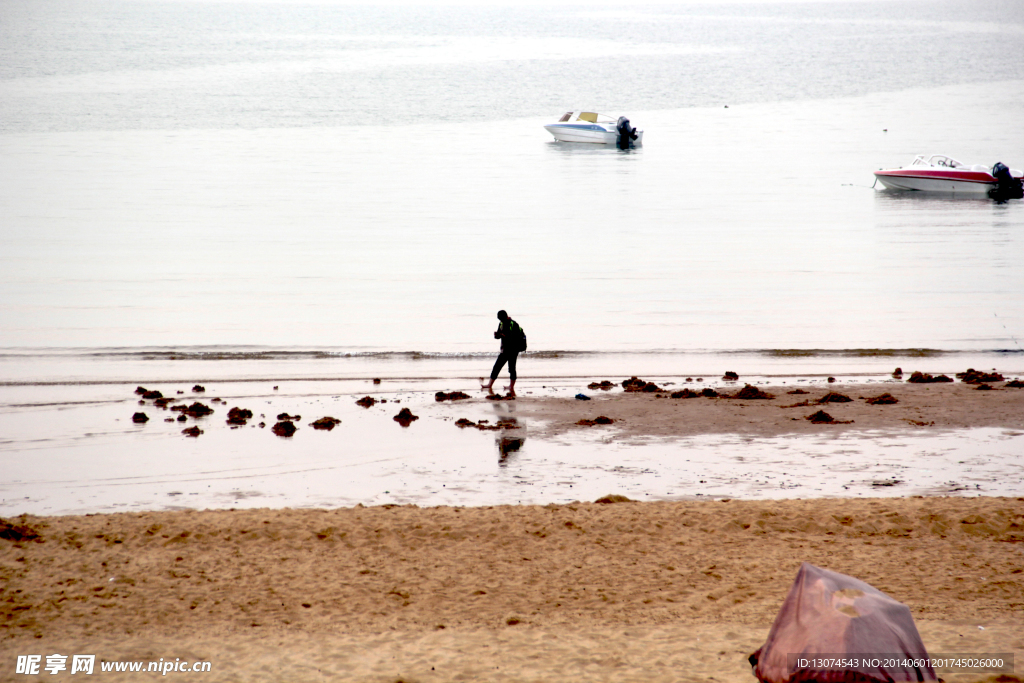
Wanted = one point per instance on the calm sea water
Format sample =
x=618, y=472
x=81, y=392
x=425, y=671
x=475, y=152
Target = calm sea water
x=184, y=180
x=247, y=193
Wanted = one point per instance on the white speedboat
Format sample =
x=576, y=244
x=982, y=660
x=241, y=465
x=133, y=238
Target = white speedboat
x=588, y=126
x=940, y=173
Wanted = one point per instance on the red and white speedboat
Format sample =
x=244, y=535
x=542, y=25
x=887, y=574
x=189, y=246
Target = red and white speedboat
x=940, y=173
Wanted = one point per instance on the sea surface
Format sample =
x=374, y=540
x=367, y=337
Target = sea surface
x=271, y=191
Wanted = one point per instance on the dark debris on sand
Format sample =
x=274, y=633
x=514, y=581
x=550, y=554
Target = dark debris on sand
x=197, y=409
x=821, y=417
x=604, y=385
x=366, y=401
x=405, y=417
x=285, y=428
x=885, y=399
x=686, y=393
x=452, y=396
x=239, y=416
x=751, y=392
x=923, y=378
x=635, y=384
x=834, y=397
x=599, y=420
x=973, y=376
x=328, y=423
x=17, y=532
x=613, y=498
x=485, y=425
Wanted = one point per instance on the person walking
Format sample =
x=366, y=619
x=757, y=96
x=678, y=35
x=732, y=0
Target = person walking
x=513, y=342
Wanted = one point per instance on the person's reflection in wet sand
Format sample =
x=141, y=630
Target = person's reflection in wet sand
x=507, y=445
x=512, y=435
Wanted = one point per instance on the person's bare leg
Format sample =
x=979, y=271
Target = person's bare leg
x=511, y=388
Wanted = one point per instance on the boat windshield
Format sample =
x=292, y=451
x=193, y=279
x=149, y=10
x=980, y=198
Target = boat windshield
x=938, y=160
x=565, y=117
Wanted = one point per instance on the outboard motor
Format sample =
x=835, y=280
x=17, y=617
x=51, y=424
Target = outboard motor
x=626, y=133
x=1007, y=187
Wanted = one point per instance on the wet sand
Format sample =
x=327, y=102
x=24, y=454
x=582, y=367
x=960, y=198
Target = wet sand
x=919, y=406
x=77, y=450
x=627, y=591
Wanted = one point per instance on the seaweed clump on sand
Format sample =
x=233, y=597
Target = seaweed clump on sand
x=823, y=418
x=285, y=428
x=452, y=396
x=1015, y=384
x=752, y=392
x=327, y=423
x=239, y=416
x=193, y=432
x=197, y=409
x=17, y=532
x=708, y=392
x=973, y=376
x=834, y=397
x=897, y=373
x=486, y=426
x=405, y=417
x=885, y=399
x=730, y=376
x=366, y=401
x=686, y=393
x=924, y=378
x=613, y=498
x=604, y=385
x=140, y=418
x=798, y=391
x=599, y=420
x=635, y=384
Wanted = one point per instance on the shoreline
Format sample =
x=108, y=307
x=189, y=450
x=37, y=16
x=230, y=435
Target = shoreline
x=89, y=455
x=603, y=592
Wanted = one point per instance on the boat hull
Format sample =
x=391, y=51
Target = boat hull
x=594, y=134
x=970, y=182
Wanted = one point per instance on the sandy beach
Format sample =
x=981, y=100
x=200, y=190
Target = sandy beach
x=604, y=592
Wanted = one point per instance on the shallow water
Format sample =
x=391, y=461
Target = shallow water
x=75, y=450
x=249, y=194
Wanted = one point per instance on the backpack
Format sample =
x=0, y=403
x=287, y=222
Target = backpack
x=521, y=345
